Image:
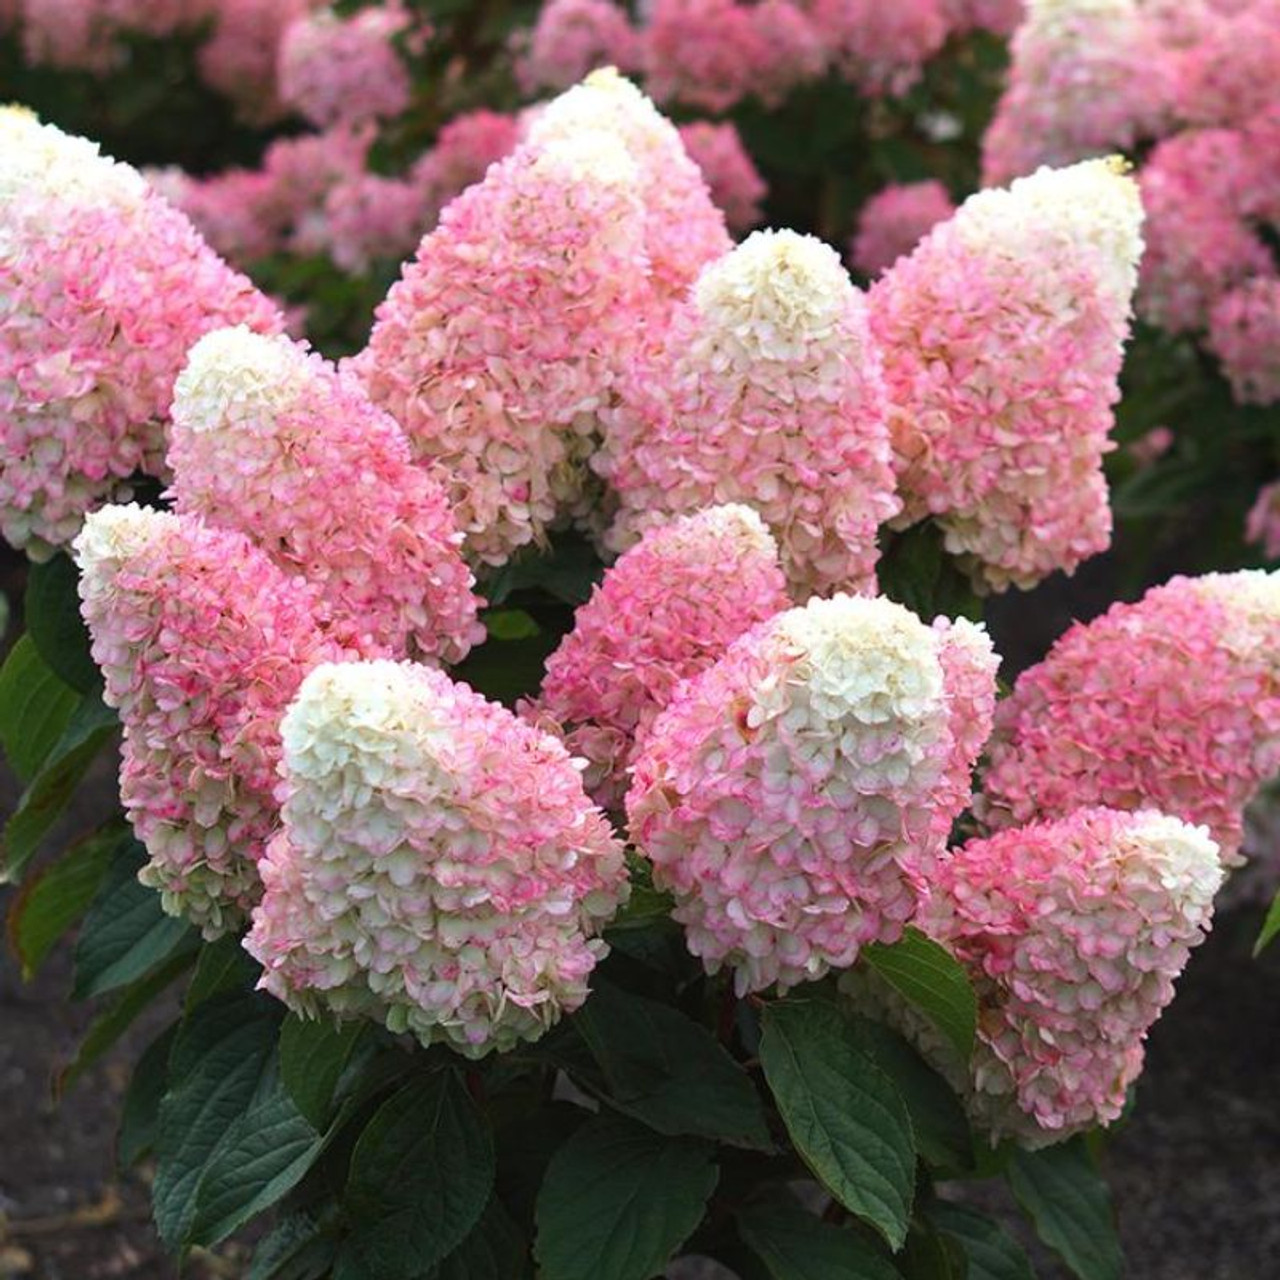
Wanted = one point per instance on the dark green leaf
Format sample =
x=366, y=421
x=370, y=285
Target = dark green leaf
x=52, y=609
x=929, y=1255
x=421, y=1175
x=313, y=1055
x=264, y=1153
x=34, y=708
x=938, y=1121
x=928, y=976
x=494, y=1250
x=89, y=728
x=141, y=1111
x=222, y=966
x=844, y=1115
x=992, y=1253
x=295, y=1249
x=126, y=931
x=618, y=1200
x=53, y=899
x=1070, y=1206
x=218, y=1059
x=794, y=1245
x=507, y=670
x=510, y=624
x=668, y=1071
x=1270, y=927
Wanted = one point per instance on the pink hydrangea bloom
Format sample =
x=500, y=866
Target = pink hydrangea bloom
x=239, y=59
x=880, y=47
x=735, y=183
x=796, y=51
x=702, y=53
x=769, y=393
x=463, y=152
x=335, y=70
x=1073, y=933
x=1171, y=703
x=86, y=35
x=504, y=336
x=1263, y=523
x=1196, y=188
x=440, y=869
x=572, y=38
x=370, y=217
x=1231, y=71
x=235, y=211
x=269, y=439
x=683, y=228
x=1001, y=17
x=202, y=641
x=894, y=221
x=1151, y=446
x=1087, y=77
x=665, y=611
x=792, y=796
x=1003, y=336
x=1244, y=333
x=103, y=287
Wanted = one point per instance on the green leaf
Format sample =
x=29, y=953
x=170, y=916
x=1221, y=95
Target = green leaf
x=507, y=670
x=421, y=1175
x=119, y=1016
x=52, y=611
x=1270, y=927
x=34, y=708
x=794, y=1245
x=510, y=624
x=928, y=977
x=265, y=1153
x=618, y=1200
x=848, y=1122
x=313, y=1055
x=90, y=726
x=1070, y=1206
x=222, y=966
x=218, y=1060
x=494, y=1250
x=140, y=1113
x=53, y=899
x=295, y=1249
x=668, y=1071
x=126, y=931
x=992, y=1253
x=929, y=1255
x=938, y=1121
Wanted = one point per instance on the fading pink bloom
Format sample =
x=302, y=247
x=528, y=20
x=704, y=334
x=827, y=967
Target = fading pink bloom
x=235, y=211
x=1231, y=71
x=1244, y=333
x=371, y=218
x=202, y=641
x=1001, y=17
x=666, y=610
x=735, y=183
x=702, y=53
x=335, y=70
x=1172, y=703
x=1087, y=77
x=894, y=221
x=1003, y=336
x=795, y=796
x=463, y=152
x=1263, y=523
x=769, y=393
x=240, y=58
x=270, y=440
x=881, y=48
x=440, y=869
x=796, y=52
x=572, y=38
x=1073, y=933
x=103, y=287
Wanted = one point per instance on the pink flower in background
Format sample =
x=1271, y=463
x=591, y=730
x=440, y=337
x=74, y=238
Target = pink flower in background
x=881, y=48
x=1001, y=17
x=270, y=440
x=1087, y=77
x=344, y=70
x=1073, y=933
x=1151, y=446
x=1232, y=71
x=235, y=211
x=769, y=393
x=202, y=641
x=370, y=218
x=683, y=228
x=104, y=287
x=702, y=53
x=440, y=869
x=666, y=610
x=1262, y=525
x=1244, y=333
x=736, y=185
x=793, y=796
x=461, y=156
x=502, y=340
x=1172, y=703
x=240, y=58
x=795, y=50
x=894, y=221
x=572, y=38
x=1003, y=336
